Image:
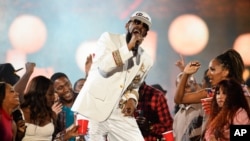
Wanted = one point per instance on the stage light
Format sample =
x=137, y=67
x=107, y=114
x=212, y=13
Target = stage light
x=27, y=33
x=188, y=34
x=83, y=51
x=242, y=45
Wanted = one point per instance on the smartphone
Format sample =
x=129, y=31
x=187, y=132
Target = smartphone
x=17, y=115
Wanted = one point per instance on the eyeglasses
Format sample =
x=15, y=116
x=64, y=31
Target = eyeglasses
x=138, y=22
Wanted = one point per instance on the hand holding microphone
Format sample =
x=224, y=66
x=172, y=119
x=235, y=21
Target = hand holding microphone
x=136, y=40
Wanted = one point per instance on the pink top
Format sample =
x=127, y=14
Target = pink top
x=241, y=118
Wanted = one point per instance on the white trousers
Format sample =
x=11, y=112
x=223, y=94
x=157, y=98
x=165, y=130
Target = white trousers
x=116, y=128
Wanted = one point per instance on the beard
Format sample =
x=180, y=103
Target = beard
x=128, y=37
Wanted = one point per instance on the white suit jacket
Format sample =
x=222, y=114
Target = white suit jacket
x=107, y=82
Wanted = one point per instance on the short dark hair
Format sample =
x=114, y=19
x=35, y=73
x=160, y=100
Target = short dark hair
x=159, y=87
x=2, y=92
x=58, y=75
x=80, y=79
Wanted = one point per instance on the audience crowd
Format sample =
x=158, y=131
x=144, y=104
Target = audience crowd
x=41, y=108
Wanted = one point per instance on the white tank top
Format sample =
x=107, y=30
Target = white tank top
x=38, y=133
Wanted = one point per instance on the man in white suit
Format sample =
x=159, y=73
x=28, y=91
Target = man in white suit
x=110, y=94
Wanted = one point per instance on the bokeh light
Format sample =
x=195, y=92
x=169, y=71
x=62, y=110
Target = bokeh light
x=242, y=45
x=246, y=74
x=149, y=44
x=188, y=34
x=83, y=51
x=27, y=33
x=18, y=59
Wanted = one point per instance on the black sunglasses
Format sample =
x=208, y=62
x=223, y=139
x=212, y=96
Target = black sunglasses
x=138, y=22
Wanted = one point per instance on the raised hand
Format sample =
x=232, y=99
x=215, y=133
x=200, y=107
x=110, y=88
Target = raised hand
x=30, y=67
x=88, y=63
x=180, y=63
x=192, y=67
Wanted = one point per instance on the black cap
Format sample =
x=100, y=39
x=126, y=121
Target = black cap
x=8, y=73
x=157, y=86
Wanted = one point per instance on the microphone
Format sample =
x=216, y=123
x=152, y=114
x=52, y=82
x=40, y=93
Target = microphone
x=135, y=49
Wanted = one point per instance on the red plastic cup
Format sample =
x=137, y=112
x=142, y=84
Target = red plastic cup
x=82, y=126
x=168, y=136
x=206, y=104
